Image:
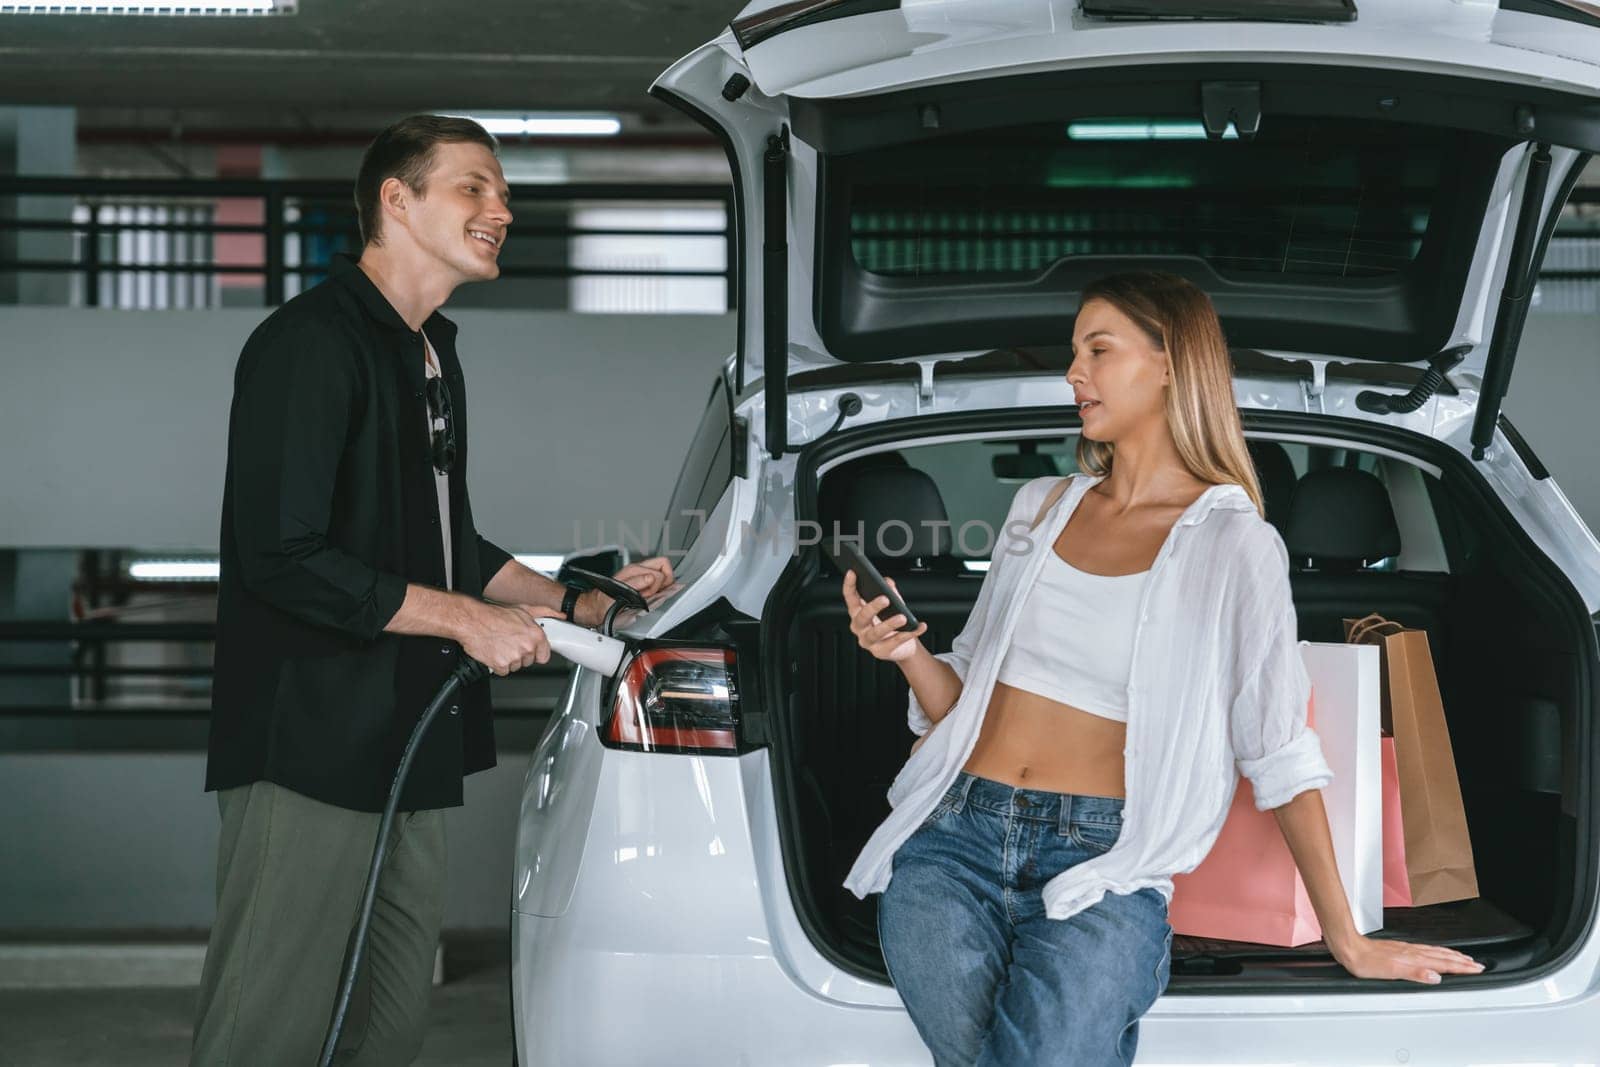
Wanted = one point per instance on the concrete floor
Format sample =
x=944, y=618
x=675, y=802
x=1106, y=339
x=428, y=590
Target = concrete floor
x=469, y=1023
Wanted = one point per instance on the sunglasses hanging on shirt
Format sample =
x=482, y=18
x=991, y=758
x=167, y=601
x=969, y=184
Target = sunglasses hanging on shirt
x=442, y=439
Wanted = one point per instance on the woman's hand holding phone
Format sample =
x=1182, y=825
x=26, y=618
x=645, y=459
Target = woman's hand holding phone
x=881, y=637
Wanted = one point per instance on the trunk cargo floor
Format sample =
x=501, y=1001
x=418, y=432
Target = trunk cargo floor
x=1457, y=924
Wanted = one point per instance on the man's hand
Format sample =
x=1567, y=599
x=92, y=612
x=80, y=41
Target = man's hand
x=648, y=576
x=504, y=637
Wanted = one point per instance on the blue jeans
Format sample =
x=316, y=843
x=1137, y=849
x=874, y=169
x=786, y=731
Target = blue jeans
x=986, y=977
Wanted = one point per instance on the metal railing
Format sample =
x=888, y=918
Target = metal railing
x=90, y=666
x=137, y=648
x=297, y=225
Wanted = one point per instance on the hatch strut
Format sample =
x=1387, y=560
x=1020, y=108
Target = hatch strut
x=775, y=289
x=1514, y=298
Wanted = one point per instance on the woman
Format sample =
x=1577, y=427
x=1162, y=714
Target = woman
x=1132, y=648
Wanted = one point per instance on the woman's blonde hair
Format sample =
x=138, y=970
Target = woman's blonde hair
x=1178, y=318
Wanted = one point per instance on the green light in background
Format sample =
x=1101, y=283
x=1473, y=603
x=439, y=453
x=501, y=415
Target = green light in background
x=1063, y=176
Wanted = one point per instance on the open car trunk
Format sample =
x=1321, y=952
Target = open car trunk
x=1513, y=647
x=917, y=182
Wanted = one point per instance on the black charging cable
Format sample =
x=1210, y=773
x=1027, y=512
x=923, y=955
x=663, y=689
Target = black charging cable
x=849, y=405
x=467, y=673
x=1432, y=378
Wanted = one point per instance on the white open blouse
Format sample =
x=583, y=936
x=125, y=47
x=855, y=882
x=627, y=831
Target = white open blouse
x=1217, y=688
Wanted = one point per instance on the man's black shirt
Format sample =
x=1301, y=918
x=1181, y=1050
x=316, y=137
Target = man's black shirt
x=329, y=509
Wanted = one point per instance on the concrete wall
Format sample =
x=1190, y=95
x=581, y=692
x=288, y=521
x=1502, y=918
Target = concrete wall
x=115, y=841
x=116, y=440
x=115, y=426
x=122, y=419
x=1552, y=401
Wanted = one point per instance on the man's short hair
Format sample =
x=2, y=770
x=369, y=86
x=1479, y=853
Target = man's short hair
x=405, y=151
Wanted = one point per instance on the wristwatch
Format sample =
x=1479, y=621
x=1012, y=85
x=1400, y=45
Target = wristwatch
x=570, y=601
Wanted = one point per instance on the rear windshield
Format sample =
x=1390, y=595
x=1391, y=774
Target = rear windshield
x=1318, y=197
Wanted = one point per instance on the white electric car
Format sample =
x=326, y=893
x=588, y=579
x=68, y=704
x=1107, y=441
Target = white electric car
x=1366, y=189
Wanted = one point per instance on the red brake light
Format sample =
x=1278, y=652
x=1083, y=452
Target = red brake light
x=677, y=700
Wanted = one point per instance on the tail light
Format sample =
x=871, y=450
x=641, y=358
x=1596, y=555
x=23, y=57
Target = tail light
x=677, y=700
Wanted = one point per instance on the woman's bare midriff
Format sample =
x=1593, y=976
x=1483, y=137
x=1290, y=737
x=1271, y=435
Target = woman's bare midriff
x=1034, y=742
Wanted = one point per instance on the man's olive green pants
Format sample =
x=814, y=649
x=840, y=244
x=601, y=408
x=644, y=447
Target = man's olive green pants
x=290, y=873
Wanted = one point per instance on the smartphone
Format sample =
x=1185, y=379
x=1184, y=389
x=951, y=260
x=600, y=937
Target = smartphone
x=869, y=582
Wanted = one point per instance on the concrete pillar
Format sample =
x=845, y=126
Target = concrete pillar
x=37, y=142
x=36, y=585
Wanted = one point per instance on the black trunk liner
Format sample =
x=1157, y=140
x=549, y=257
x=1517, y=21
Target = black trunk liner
x=1461, y=924
x=1457, y=924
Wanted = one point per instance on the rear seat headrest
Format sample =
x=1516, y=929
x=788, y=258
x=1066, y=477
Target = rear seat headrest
x=876, y=502
x=1275, y=472
x=831, y=493
x=1341, y=516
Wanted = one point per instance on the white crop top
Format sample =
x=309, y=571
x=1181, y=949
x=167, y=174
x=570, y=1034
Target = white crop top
x=1073, y=642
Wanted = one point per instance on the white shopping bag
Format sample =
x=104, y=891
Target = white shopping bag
x=1345, y=682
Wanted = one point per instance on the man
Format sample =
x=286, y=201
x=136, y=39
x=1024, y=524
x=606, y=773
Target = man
x=353, y=580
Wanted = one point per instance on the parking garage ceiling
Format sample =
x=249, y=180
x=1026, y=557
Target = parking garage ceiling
x=388, y=56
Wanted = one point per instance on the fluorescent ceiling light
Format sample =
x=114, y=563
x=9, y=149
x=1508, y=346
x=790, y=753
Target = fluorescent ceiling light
x=549, y=125
x=208, y=570
x=174, y=570
x=979, y=565
x=151, y=7
x=1143, y=131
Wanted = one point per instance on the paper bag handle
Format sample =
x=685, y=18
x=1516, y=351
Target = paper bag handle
x=1360, y=631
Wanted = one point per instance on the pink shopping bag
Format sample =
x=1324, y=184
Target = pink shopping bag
x=1396, y=882
x=1248, y=888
